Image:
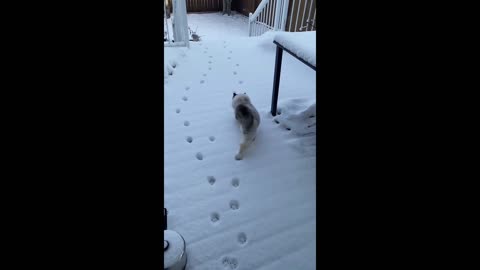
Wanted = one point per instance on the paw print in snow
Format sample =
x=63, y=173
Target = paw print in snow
x=230, y=262
x=234, y=205
x=214, y=217
x=211, y=180
x=235, y=182
x=242, y=238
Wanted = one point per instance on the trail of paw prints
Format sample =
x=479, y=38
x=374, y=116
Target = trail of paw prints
x=229, y=262
x=211, y=138
x=199, y=156
x=210, y=64
x=189, y=139
x=171, y=67
x=177, y=110
x=184, y=98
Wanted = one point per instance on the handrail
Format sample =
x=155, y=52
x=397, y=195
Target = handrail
x=269, y=15
x=259, y=9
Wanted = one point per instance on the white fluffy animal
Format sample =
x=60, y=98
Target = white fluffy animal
x=248, y=118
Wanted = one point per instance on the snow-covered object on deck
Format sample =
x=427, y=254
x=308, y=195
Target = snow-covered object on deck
x=299, y=116
x=174, y=254
x=300, y=43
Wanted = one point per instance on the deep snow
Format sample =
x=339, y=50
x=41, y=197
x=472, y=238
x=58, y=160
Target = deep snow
x=259, y=212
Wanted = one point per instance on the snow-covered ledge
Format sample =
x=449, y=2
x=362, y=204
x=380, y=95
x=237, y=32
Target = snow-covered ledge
x=302, y=44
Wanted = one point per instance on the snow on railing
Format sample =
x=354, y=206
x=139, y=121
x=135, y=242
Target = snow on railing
x=269, y=15
x=278, y=16
x=176, y=25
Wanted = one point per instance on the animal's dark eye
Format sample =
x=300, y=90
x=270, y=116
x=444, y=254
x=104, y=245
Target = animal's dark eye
x=234, y=94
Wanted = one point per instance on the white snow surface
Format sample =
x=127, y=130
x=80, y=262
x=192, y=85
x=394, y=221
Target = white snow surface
x=302, y=44
x=215, y=26
x=259, y=212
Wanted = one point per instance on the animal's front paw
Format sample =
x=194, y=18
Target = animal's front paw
x=238, y=156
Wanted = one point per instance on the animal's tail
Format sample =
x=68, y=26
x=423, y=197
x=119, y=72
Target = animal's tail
x=243, y=110
x=243, y=114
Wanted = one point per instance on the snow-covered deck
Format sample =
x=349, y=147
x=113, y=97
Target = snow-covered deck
x=259, y=212
x=215, y=26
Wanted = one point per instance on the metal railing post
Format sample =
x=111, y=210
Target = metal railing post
x=284, y=14
x=276, y=23
x=276, y=80
x=250, y=24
